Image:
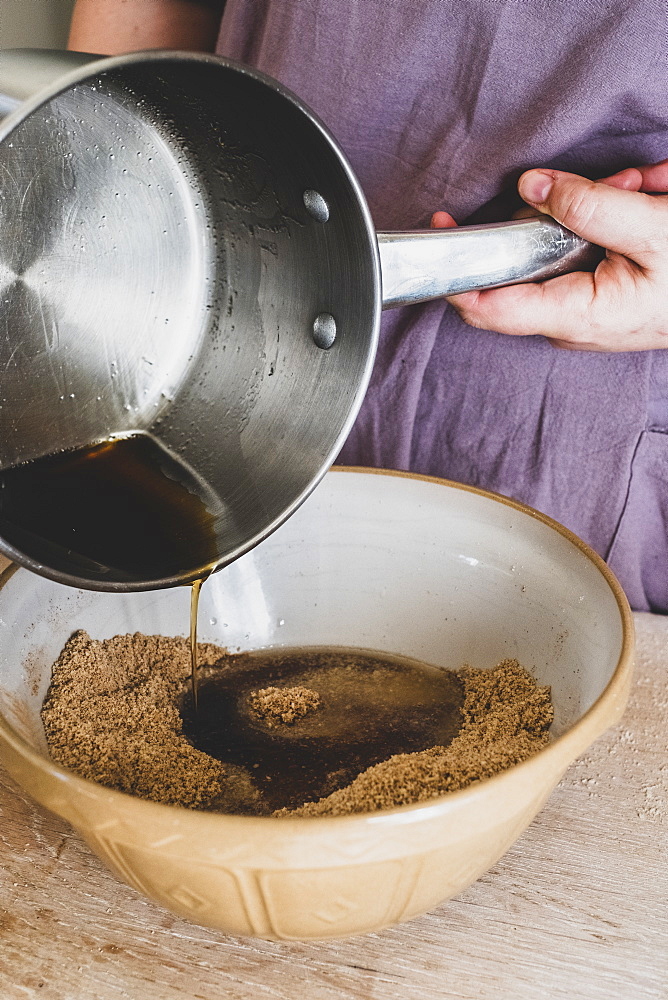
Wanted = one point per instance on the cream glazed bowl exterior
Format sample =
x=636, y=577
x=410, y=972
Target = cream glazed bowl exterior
x=384, y=561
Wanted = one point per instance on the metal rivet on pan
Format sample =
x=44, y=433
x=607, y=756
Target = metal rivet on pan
x=324, y=330
x=316, y=205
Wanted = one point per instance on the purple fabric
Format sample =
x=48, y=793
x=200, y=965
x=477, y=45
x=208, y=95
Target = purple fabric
x=442, y=105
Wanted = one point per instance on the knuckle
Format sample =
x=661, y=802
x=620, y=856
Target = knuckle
x=577, y=206
x=655, y=242
x=467, y=311
x=471, y=319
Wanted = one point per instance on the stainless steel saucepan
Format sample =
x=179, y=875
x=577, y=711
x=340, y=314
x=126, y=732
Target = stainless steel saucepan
x=185, y=251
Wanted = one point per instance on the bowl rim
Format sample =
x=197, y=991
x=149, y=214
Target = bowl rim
x=560, y=751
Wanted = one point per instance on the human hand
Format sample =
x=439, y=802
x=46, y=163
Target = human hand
x=623, y=305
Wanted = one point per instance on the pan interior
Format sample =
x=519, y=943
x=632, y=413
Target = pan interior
x=165, y=258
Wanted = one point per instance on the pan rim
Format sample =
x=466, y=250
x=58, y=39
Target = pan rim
x=103, y=65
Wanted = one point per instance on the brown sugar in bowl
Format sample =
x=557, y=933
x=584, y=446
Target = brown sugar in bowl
x=391, y=562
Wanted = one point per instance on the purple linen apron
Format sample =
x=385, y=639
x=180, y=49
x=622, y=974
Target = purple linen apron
x=441, y=104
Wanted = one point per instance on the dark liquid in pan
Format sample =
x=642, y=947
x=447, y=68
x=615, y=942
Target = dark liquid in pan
x=124, y=509
x=372, y=706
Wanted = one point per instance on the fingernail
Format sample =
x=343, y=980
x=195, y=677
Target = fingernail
x=535, y=186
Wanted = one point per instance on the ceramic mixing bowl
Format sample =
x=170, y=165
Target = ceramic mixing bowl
x=382, y=561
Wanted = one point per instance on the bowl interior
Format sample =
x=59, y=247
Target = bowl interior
x=379, y=561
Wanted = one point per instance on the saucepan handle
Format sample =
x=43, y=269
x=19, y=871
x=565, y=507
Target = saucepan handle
x=429, y=263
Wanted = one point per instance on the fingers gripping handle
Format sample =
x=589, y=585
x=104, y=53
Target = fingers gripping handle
x=429, y=263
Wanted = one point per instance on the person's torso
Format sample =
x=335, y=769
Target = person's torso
x=442, y=105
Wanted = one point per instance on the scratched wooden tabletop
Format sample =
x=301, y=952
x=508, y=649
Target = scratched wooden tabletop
x=577, y=909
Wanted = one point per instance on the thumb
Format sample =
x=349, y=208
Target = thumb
x=624, y=221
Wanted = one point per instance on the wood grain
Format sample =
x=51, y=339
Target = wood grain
x=575, y=911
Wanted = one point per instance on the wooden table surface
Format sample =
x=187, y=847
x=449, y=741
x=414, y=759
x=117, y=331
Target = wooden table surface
x=577, y=909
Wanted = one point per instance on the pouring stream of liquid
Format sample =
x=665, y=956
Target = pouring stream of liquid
x=194, y=606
